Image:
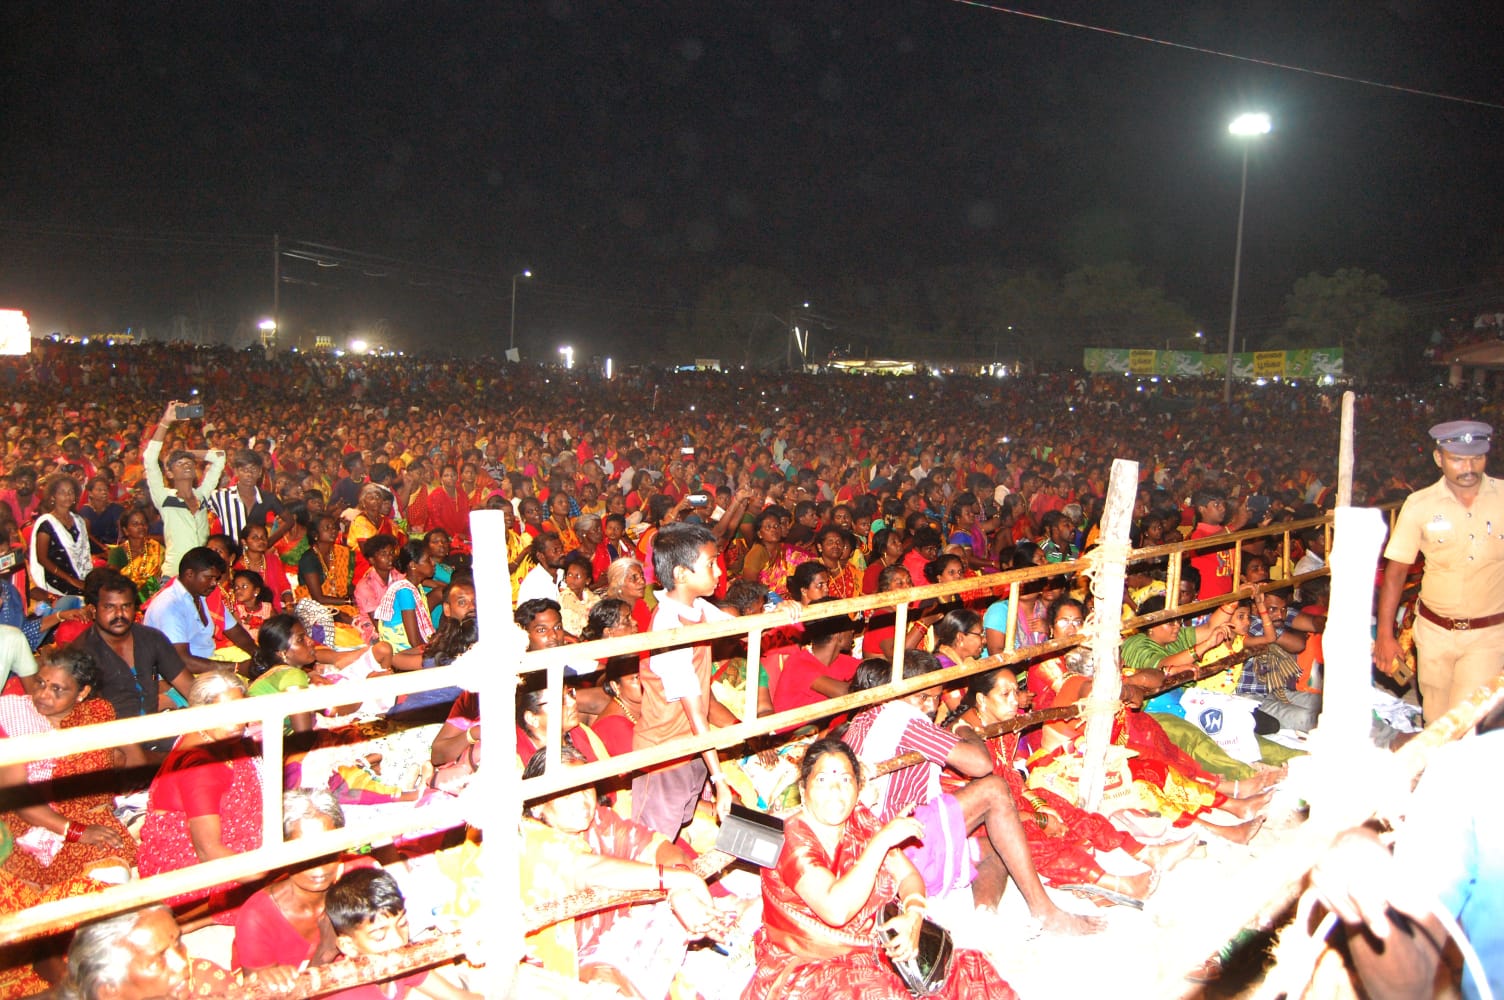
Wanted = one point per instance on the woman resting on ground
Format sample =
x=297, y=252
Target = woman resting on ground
x=877, y=640
x=569, y=844
x=284, y=924
x=287, y=659
x=534, y=705
x=1066, y=843
x=78, y=835
x=256, y=555
x=822, y=901
x=138, y=556
x=1165, y=775
x=205, y=802
x=618, y=720
x=771, y=561
x=59, y=548
x=380, y=553
x=403, y=615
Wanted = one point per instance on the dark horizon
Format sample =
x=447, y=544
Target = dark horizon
x=630, y=158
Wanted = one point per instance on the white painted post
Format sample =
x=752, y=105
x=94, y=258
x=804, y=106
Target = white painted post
x=1105, y=633
x=496, y=787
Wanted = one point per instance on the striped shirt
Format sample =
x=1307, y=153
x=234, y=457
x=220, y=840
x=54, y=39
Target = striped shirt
x=232, y=514
x=886, y=731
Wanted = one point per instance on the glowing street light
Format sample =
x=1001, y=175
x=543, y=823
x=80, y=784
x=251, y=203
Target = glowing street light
x=568, y=353
x=512, y=332
x=267, y=325
x=358, y=346
x=1246, y=127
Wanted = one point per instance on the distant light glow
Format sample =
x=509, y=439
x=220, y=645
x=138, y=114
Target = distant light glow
x=608, y=368
x=568, y=353
x=1252, y=123
x=1260, y=381
x=359, y=346
x=15, y=332
x=268, y=325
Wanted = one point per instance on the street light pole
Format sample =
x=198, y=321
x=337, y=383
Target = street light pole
x=1245, y=127
x=512, y=332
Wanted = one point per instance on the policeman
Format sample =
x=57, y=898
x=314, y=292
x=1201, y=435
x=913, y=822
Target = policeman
x=1458, y=523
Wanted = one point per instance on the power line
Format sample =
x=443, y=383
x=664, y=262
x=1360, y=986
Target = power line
x=1269, y=63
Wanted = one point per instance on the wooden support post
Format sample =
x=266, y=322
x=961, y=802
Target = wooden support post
x=496, y=790
x=1345, y=456
x=754, y=666
x=1105, y=634
x=900, y=637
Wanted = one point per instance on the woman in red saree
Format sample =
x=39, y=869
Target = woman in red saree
x=448, y=506
x=61, y=841
x=1063, y=839
x=821, y=901
x=284, y=924
x=205, y=802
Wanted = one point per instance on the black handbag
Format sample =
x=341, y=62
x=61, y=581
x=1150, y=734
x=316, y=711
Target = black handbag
x=924, y=974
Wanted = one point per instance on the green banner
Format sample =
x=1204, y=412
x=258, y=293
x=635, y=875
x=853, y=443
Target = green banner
x=1313, y=363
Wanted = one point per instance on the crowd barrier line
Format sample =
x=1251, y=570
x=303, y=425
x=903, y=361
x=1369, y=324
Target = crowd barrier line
x=271, y=710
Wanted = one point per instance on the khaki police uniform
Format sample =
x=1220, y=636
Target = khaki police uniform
x=1463, y=580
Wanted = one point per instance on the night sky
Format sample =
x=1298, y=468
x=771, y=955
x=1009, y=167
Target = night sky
x=629, y=153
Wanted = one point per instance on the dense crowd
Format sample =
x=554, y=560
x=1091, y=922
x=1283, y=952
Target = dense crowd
x=189, y=526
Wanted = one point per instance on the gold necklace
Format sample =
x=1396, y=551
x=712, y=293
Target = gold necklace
x=631, y=716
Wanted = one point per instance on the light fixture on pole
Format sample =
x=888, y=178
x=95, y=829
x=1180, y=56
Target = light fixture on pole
x=512, y=330
x=1246, y=127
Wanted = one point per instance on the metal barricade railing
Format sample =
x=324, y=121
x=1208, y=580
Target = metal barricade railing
x=479, y=664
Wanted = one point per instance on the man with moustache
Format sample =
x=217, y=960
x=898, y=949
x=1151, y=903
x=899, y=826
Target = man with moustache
x=1458, y=523
x=132, y=657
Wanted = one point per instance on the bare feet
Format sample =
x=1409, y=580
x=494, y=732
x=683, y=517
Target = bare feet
x=1138, y=886
x=1248, y=807
x=1167, y=856
x=1059, y=922
x=1240, y=834
x=1266, y=776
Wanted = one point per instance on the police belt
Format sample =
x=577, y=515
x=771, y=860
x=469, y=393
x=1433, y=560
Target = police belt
x=1458, y=624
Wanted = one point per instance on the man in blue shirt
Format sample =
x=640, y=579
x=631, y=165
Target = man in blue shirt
x=181, y=613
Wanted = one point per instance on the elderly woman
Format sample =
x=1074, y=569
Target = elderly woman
x=284, y=924
x=205, y=802
x=59, y=557
x=626, y=581
x=76, y=835
x=570, y=844
x=822, y=901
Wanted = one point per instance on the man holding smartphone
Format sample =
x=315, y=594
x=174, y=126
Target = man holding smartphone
x=184, y=505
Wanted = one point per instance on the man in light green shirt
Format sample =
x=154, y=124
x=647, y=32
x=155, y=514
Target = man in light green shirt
x=182, y=504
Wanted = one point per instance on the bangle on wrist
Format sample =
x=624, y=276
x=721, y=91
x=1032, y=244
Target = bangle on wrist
x=914, y=900
x=72, y=832
x=470, y=736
